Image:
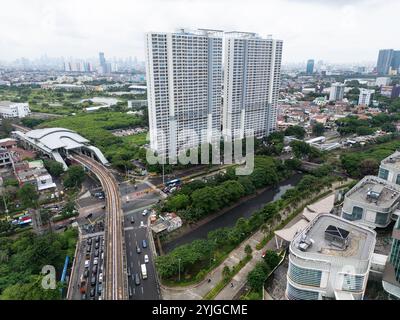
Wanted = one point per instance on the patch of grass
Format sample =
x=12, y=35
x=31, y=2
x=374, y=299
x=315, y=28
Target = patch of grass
x=137, y=139
x=201, y=271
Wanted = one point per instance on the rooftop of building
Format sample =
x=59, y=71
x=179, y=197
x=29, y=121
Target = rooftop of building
x=392, y=161
x=375, y=192
x=8, y=103
x=351, y=240
x=55, y=138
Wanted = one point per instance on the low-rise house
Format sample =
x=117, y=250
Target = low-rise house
x=34, y=173
x=167, y=223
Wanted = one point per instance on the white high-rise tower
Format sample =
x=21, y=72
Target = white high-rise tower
x=337, y=92
x=184, y=77
x=251, y=84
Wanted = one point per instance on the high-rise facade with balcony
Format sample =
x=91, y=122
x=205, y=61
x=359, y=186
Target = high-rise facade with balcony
x=252, y=69
x=184, y=86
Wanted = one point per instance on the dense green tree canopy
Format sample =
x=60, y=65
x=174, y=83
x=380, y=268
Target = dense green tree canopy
x=53, y=167
x=296, y=131
x=74, y=176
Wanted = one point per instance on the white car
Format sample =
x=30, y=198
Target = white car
x=96, y=261
x=100, y=278
x=145, y=212
x=102, y=256
x=87, y=263
x=141, y=223
x=146, y=258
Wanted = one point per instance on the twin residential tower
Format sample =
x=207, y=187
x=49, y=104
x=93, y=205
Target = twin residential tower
x=194, y=96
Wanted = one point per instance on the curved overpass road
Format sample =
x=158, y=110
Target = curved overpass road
x=115, y=282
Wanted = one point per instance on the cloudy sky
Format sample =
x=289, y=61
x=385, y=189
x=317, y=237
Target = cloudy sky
x=331, y=30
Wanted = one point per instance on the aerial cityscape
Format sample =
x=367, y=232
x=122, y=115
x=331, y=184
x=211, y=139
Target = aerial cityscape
x=191, y=163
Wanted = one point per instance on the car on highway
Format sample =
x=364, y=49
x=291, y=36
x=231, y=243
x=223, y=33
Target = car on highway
x=92, y=292
x=129, y=272
x=102, y=256
x=96, y=245
x=130, y=292
x=97, y=238
x=101, y=268
x=86, y=273
x=89, y=241
x=100, y=288
x=84, y=297
x=141, y=223
x=132, y=220
x=96, y=261
x=88, y=249
x=138, y=249
x=94, y=269
x=100, y=277
x=144, y=244
x=137, y=279
x=96, y=253
x=146, y=258
x=145, y=212
x=87, y=263
x=93, y=281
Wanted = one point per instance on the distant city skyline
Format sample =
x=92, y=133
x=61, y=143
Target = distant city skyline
x=335, y=31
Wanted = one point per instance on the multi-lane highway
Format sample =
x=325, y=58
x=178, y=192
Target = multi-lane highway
x=115, y=277
x=136, y=230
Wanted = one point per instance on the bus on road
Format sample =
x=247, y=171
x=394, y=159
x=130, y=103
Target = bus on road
x=173, y=183
x=144, y=271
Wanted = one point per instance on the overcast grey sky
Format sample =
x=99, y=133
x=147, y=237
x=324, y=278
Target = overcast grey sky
x=332, y=30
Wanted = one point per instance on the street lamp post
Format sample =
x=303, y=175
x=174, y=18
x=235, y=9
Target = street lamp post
x=179, y=268
x=5, y=205
x=163, y=179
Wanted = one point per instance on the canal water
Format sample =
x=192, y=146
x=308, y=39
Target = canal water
x=229, y=218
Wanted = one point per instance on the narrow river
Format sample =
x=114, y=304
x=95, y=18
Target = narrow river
x=229, y=218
